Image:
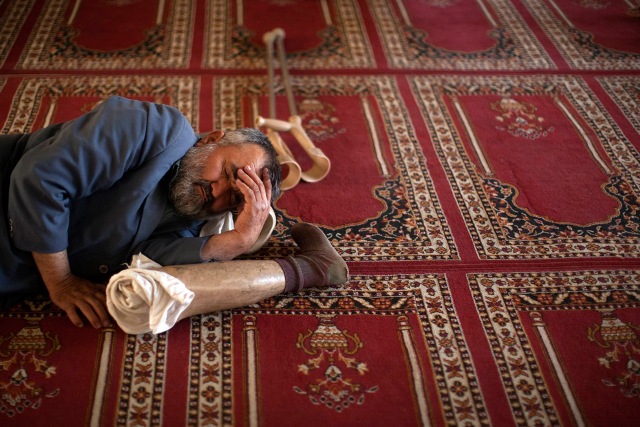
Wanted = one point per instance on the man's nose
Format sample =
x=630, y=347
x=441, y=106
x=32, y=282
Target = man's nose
x=219, y=188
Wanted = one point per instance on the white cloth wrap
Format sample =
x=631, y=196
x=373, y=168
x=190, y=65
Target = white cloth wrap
x=143, y=299
x=224, y=222
x=221, y=223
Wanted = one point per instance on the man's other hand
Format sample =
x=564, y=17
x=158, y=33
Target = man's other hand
x=76, y=295
x=71, y=293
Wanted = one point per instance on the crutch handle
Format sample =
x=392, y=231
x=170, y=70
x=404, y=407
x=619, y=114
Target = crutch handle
x=270, y=36
x=274, y=124
x=286, y=159
x=321, y=163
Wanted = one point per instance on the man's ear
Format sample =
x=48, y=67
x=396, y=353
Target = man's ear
x=211, y=138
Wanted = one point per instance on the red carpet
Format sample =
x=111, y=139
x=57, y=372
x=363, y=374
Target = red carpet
x=485, y=191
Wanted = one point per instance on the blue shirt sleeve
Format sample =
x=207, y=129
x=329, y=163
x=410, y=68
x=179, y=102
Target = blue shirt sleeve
x=85, y=156
x=173, y=249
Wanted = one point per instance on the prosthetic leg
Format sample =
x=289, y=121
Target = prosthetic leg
x=150, y=298
x=224, y=285
x=321, y=163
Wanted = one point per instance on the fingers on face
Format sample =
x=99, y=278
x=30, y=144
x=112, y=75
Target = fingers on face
x=251, y=175
x=253, y=185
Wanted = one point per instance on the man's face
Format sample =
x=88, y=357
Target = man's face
x=206, y=181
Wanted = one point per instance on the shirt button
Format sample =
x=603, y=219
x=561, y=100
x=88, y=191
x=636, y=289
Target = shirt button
x=104, y=269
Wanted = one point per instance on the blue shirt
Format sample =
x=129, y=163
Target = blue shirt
x=97, y=186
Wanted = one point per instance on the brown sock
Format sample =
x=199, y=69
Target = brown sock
x=317, y=265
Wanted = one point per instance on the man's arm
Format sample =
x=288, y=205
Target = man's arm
x=72, y=293
x=256, y=191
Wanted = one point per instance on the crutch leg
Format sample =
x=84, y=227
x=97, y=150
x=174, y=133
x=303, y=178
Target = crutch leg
x=284, y=155
x=321, y=163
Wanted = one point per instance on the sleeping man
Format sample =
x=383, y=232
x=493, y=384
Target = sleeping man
x=80, y=198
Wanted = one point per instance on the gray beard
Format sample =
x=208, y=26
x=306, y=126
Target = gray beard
x=183, y=191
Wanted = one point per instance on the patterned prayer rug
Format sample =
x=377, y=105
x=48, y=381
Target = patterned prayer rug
x=582, y=32
x=74, y=35
x=475, y=35
x=319, y=34
x=484, y=190
x=491, y=133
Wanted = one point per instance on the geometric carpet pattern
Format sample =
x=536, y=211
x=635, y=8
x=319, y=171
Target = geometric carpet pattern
x=484, y=191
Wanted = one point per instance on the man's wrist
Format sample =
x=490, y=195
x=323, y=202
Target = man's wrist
x=54, y=268
x=226, y=246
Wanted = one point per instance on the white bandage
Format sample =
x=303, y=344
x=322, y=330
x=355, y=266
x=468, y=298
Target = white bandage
x=142, y=299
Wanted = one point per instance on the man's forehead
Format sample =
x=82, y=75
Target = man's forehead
x=238, y=156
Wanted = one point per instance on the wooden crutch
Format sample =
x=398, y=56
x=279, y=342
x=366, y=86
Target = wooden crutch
x=321, y=163
x=284, y=155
